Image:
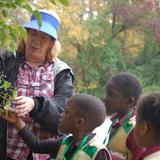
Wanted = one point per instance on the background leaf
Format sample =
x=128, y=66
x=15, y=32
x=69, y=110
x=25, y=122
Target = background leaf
x=38, y=17
x=22, y=32
x=65, y=2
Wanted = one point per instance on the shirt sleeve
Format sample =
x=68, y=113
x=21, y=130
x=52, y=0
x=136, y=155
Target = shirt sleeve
x=48, y=109
x=132, y=146
x=103, y=155
x=40, y=146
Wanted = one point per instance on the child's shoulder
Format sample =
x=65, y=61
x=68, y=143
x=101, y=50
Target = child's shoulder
x=127, y=121
x=95, y=146
x=150, y=154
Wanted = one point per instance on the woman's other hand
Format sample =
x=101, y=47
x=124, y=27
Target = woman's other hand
x=23, y=105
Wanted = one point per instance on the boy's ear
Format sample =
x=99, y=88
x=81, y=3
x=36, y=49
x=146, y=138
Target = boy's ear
x=144, y=128
x=131, y=101
x=79, y=122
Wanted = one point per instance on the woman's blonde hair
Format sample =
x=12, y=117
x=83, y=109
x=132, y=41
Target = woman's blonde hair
x=54, y=51
x=51, y=54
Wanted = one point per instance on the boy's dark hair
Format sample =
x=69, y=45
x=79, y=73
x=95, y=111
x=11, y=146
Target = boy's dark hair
x=128, y=84
x=149, y=110
x=90, y=108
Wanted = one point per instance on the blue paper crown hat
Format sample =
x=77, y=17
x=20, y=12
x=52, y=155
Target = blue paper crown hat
x=50, y=23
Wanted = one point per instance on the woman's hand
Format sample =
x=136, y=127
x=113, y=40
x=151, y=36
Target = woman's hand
x=23, y=105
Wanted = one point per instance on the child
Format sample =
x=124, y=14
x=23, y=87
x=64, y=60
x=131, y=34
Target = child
x=122, y=93
x=82, y=114
x=147, y=129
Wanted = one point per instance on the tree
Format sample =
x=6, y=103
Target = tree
x=122, y=37
x=99, y=58
x=142, y=17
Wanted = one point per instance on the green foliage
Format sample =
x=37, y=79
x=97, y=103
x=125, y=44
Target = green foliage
x=64, y=2
x=9, y=30
x=107, y=51
x=23, y=32
x=99, y=58
x=38, y=17
x=97, y=65
x=146, y=66
x=7, y=93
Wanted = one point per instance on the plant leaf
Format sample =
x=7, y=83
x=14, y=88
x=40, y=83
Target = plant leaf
x=5, y=85
x=14, y=94
x=28, y=7
x=4, y=39
x=53, y=2
x=65, y=2
x=38, y=17
x=22, y=32
x=19, y=2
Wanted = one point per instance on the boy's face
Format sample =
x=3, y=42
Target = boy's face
x=67, y=120
x=115, y=100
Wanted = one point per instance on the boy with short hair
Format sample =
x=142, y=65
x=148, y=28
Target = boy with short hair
x=82, y=114
x=123, y=91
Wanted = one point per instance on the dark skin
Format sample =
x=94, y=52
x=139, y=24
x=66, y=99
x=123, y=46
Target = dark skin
x=69, y=122
x=12, y=117
x=116, y=101
x=78, y=125
x=144, y=134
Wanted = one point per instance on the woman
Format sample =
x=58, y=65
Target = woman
x=44, y=84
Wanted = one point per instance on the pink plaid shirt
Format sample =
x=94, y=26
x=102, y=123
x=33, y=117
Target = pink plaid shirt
x=31, y=82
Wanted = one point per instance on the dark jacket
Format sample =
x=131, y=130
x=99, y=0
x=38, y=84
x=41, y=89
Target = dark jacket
x=48, y=116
